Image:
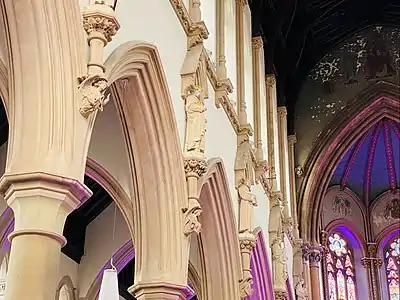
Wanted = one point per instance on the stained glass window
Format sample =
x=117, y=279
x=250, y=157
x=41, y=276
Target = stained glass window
x=392, y=257
x=340, y=268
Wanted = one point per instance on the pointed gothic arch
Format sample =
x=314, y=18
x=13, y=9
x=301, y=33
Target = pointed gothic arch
x=219, y=234
x=373, y=104
x=140, y=91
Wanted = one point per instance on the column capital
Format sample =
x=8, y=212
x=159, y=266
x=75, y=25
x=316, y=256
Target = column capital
x=195, y=166
x=270, y=80
x=100, y=20
x=72, y=191
x=292, y=139
x=159, y=290
x=257, y=42
x=242, y=3
x=282, y=111
x=315, y=257
x=247, y=241
x=29, y=194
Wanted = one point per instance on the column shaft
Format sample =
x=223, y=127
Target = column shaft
x=315, y=259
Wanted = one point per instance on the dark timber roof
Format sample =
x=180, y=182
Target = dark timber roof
x=298, y=33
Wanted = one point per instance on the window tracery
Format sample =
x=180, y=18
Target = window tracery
x=340, y=268
x=392, y=260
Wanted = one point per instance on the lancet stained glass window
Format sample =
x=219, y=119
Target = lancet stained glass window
x=340, y=268
x=392, y=259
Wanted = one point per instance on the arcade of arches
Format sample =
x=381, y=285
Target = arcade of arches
x=169, y=139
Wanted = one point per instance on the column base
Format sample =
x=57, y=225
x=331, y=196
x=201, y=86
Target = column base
x=159, y=291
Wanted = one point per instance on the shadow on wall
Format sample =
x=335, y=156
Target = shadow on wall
x=367, y=57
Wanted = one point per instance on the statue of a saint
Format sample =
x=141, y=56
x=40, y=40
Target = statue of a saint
x=279, y=260
x=195, y=121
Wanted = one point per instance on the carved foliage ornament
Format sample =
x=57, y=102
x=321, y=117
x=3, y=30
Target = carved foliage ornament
x=92, y=89
x=194, y=165
x=192, y=214
x=257, y=42
x=246, y=287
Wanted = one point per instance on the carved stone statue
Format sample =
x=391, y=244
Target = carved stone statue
x=301, y=290
x=279, y=260
x=195, y=120
x=243, y=189
x=92, y=90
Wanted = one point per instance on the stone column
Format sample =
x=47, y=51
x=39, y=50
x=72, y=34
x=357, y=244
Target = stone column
x=373, y=264
x=292, y=185
x=272, y=129
x=282, y=142
x=41, y=203
x=315, y=260
x=306, y=268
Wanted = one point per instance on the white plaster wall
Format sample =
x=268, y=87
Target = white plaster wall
x=69, y=268
x=97, y=251
x=155, y=22
x=208, y=9
x=289, y=255
x=107, y=146
x=221, y=142
x=248, y=67
x=261, y=212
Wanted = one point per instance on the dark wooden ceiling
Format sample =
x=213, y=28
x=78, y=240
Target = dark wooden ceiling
x=298, y=33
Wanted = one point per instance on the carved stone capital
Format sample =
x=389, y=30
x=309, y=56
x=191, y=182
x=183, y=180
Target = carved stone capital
x=275, y=199
x=245, y=286
x=270, y=80
x=242, y=3
x=292, y=139
x=247, y=241
x=195, y=166
x=99, y=19
x=305, y=252
x=282, y=111
x=315, y=257
x=192, y=214
x=281, y=295
x=257, y=42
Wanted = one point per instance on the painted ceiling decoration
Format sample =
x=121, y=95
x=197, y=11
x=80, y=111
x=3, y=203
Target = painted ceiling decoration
x=298, y=34
x=372, y=164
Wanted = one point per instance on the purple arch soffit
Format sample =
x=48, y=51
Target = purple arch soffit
x=261, y=271
x=6, y=229
x=289, y=290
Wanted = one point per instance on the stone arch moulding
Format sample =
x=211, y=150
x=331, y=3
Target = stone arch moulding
x=261, y=271
x=140, y=91
x=4, y=85
x=66, y=282
x=95, y=171
x=350, y=231
x=219, y=235
x=378, y=101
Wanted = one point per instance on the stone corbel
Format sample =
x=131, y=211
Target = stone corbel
x=198, y=32
x=100, y=24
x=247, y=242
x=194, y=168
